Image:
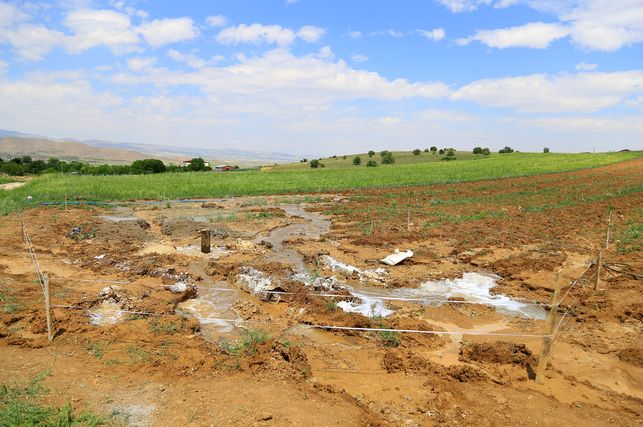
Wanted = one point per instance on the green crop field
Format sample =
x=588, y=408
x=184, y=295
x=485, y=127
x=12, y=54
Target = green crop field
x=401, y=158
x=166, y=186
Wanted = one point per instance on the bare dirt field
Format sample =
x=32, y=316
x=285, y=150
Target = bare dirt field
x=291, y=319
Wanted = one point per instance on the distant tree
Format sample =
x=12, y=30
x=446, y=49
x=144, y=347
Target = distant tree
x=441, y=151
x=344, y=157
x=426, y=150
x=486, y=151
x=450, y=155
x=334, y=157
x=36, y=167
x=304, y=160
x=388, y=158
x=148, y=166
x=371, y=153
x=546, y=150
x=371, y=164
x=384, y=153
x=506, y=150
x=434, y=149
x=197, y=164
x=357, y=160
x=26, y=159
x=17, y=160
x=315, y=163
x=477, y=150
x=417, y=152
x=13, y=169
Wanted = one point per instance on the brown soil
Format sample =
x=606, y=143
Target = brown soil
x=277, y=367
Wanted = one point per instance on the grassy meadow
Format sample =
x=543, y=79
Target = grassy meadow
x=167, y=186
x=401, y=158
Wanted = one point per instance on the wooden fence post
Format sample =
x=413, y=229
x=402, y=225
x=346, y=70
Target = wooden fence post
x=50, y=326
x=205, y=241
x=548, y=339
x=597, y=281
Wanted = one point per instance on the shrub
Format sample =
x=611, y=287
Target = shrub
x=417, y=152
x=434, y=149
x=357, y=160
x=477, y=150
x=315, y=163
x=371, y=164
x=450, y=155
x=506, y=150
x=441, y=151
x=388, y=158
x=546, y=150
x=371, y=153
x=486, y=151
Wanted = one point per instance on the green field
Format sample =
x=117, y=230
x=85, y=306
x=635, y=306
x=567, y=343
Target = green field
x=401, y=158
x=207, y=184
x=5, y=180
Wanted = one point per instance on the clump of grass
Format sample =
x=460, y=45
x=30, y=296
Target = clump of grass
x=11, y=308
x=19, y=407
x=331, y=305
x=630, y=239
x=96, y=349
x=259, y=215
x=138, y=354
x=389, y=338
x=246, y=345
x=164, y=328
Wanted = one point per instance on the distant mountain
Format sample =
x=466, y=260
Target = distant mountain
x=99, y=151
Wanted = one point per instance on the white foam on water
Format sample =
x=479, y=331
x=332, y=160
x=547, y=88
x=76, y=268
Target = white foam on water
x=107, y=313
x=473, y=287
x=367, y=306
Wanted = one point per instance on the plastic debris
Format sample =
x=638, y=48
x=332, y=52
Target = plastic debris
x=397, y=257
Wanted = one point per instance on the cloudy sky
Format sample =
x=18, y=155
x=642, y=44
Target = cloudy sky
x=327, y=76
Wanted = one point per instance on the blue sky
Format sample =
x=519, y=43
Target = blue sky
x=327, y=77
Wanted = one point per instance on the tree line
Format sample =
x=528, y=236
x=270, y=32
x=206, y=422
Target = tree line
x=25, y=165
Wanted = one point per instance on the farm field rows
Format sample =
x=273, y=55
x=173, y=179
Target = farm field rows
x=193, y=185
x=292, y=319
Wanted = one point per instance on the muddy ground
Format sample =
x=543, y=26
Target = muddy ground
x=153, y=332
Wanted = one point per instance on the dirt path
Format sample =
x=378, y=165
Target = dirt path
x=11, y=185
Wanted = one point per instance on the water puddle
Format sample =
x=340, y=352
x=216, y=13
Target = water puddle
x=313, y=229
x=212, y=305
x=106, y=313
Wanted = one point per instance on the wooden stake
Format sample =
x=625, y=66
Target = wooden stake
x=50, y=326
x=597, y=280
x=545, y=351
x=408, y=218
x=609, y=223
x=65, y=202
x=205, y=241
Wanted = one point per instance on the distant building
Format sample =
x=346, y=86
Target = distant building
x=223, y=168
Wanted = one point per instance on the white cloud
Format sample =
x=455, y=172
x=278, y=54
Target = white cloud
x=584, y=66
x=355, y=34
x=535, y=35
x=310, y=34
x=605, y=25
x=313, y=80
x=435, y=34
x=358, y=57
x=216, y=20
x=140, y=63
x=457, y=6
x=100, y=28
x=33, y=42
x=582, y=92
x=434, y=115
x=10, y=15
x=191, y=59
x=256, y=34
x=165, y=31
